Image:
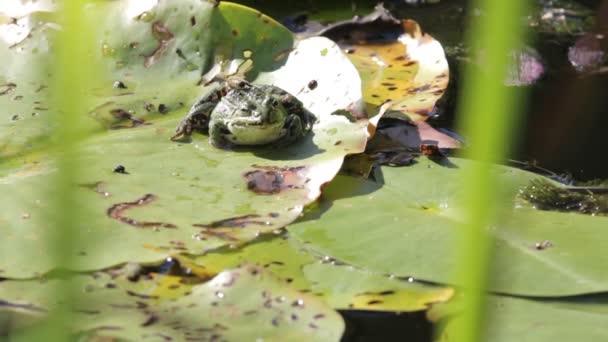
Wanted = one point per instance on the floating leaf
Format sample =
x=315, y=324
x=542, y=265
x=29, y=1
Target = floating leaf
x=340, y=285
x=528, y=320
x=412, y=72
x=538, y=253
x=402, y=77
x=177, y=197
x=238, y=304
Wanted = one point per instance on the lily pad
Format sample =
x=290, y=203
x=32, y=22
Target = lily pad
x=177, y=197
x=340, y=285
x=412, y=72
x=529, y=320
x=404, y=71
x=238, y=304
x=540, y=253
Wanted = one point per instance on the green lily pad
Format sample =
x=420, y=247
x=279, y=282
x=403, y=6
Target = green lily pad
x=238, y=304
x=540, y=253
x=176, y=197
x=529, y=320
x=340, y=285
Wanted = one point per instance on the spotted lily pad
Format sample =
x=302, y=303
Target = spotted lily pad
x=146, y=194
x=539, y=253
x=412, y=72
x=340, y=285
x=238, y=304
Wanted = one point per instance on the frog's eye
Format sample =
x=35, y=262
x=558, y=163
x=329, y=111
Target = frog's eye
x=241, y=84
x=274, y=102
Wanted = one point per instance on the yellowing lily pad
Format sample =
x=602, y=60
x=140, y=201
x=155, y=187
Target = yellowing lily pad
x=340, y=285
x=412, y=72
x=238, y=304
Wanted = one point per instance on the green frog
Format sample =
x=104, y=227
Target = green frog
x=237, y=112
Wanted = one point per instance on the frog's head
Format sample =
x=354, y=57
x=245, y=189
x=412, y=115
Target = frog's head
x=250, y=116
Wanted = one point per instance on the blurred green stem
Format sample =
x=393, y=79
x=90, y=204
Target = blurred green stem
x=71, y=74
x=487, y=112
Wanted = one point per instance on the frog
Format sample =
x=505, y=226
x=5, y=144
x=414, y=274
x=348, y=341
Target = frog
x=238, y=112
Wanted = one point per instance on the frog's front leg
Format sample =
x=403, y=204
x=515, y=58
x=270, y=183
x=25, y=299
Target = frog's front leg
x=217, y=134
x=197, y=118
x=293, y=130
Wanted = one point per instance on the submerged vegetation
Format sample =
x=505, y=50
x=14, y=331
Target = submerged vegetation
x=545, y=195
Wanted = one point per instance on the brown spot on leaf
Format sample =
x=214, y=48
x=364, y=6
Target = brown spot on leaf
x=7, y=88
x=233, y=222
x=117, y=210
x=386, y=293
x=374, y=302
x=89, y=312
x=419, y=89
x=269, y=180
x=149, y=107
x=224, y=229
x=24, y=307
x=162, y=34
x=163, y=108
x=140, y=296
x=235, y=32
x=151, y=320
x=280, y=263
x=123, y=115
x=282, y=54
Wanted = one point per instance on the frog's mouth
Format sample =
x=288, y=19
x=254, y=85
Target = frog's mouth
x=251, y=121
x=253, y=132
